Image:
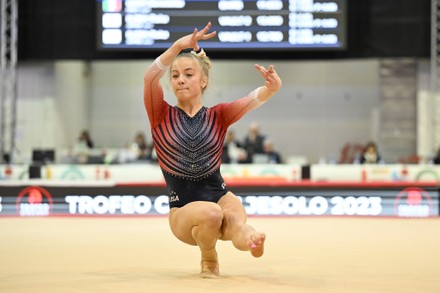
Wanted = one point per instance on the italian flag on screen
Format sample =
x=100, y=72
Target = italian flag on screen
x=111, y=5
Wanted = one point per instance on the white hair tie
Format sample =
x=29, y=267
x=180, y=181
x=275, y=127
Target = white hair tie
x=199, y=53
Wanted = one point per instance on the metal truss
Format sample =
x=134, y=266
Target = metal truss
x=8, y=86
x=435, y=71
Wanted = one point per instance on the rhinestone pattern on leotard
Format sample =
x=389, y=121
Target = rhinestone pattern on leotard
x=189, y=147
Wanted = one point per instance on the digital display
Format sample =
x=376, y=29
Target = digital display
x=240, y=24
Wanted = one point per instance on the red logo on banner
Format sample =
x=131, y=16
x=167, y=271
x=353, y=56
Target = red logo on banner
x=413, y=202
x=34, y=201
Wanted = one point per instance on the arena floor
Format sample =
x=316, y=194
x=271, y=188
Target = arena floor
x=140, y=254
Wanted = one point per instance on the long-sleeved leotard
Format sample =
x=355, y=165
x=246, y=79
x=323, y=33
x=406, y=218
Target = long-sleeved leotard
x=189, y=148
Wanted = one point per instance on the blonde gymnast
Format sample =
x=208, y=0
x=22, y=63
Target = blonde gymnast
x=188, y=139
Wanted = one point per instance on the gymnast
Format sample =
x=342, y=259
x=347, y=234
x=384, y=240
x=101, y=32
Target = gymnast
x=188, y=139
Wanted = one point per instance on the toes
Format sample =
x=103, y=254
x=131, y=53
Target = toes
x=257, y=239
x=257, y=245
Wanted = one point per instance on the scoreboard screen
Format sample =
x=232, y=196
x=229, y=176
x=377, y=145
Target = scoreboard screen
x=245, y=25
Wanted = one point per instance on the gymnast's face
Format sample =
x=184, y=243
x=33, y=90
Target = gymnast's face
x=186, y=79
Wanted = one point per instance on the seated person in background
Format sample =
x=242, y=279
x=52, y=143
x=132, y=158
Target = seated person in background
x=273, y=157
x=233, y=151
x=6, y=159
x=436, y=159
x=253, y=142
x=83, y=146
x=137, y=151
x=140, y=146
x=85, y=139
x=370, y=154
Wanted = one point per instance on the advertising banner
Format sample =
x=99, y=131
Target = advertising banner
x=397, y=200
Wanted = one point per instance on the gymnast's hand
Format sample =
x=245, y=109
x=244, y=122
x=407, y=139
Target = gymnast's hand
x=273, y=81
x=191, y=40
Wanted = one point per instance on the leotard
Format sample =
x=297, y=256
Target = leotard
x=189, y=148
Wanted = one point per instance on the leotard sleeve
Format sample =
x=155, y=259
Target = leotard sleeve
x=233, y=111
x=154, y=101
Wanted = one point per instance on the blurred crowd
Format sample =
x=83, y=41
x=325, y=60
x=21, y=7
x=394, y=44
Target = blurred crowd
x=254, y=148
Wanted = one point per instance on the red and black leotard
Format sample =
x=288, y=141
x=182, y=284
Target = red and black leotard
x=189, y=148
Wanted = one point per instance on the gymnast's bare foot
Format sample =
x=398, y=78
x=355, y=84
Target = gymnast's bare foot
x=209, y=265
x=256, y=243
x=210, y=269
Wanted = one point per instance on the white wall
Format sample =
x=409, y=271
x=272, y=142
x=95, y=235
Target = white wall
x=72, y=99
x=428, y=136
x=322, y=105
x=52, y=105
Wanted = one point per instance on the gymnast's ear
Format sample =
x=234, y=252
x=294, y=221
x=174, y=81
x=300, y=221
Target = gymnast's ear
x=204, y=81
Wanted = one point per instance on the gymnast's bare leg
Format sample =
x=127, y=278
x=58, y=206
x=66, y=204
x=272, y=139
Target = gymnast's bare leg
x=199, y=223
x=203, y=223
x=234, y=228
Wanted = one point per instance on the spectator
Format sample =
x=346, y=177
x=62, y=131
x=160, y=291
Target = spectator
x=85, y=139
x=253, y=142
x=233, y=151
x=140, y=146
x=436, y=159
x=370, y=154
x=82, y=148
x=273, y=157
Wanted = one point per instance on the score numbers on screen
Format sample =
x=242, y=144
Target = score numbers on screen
x=240, y=24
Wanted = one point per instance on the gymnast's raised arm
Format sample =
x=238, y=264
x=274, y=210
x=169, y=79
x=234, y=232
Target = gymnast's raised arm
x=238, y=108
x=153, y=92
